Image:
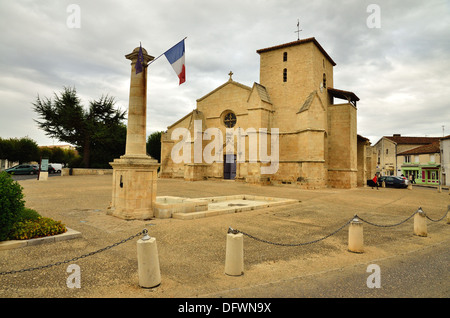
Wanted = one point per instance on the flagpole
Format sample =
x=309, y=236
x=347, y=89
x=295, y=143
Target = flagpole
x=164, y=52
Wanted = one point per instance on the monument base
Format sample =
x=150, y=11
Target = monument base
x=134, y=187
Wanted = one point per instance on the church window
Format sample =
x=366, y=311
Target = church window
x=284, y=56
x=324, y=81
x=285, y=75
x=229, y=120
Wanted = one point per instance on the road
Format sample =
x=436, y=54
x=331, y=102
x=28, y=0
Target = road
x=32, y=176
x=418, y=274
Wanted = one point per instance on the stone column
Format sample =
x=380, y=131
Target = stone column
x=135, y=173
x=137, y=110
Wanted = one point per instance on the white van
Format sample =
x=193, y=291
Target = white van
x=57, y=166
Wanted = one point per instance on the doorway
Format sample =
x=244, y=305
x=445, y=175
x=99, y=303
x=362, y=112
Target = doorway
x=229, y=167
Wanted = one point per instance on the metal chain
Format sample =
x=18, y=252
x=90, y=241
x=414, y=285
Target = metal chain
x=234, y=231
x=390, y=225
x=445, y=214
x=75, y=258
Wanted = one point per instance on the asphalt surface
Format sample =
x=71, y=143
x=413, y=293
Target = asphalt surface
x=422, y=273
x=32, y=176
x=192, y=252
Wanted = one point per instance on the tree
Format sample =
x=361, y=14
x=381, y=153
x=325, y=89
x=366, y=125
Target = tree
x=65, y=119
x=6, y=148
x=21, y=150
x=57, y=154
x=154, y=145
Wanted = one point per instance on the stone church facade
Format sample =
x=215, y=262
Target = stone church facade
x=317, y=139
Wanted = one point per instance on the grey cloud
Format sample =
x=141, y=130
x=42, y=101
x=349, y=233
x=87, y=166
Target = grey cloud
x=398, y=70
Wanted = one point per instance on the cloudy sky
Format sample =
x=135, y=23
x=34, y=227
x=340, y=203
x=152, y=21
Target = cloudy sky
x=395, y=55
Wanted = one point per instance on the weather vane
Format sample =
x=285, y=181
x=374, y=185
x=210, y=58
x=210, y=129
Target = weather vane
x=298, y=30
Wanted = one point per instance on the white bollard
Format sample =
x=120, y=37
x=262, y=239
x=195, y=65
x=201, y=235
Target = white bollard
x=420, y=223
x=148, y=262
x=234, y=258
x=355, y=236
x=448, y=214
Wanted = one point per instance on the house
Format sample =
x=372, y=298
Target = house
x=422, y=163
x=445, y=160
x=388, y=147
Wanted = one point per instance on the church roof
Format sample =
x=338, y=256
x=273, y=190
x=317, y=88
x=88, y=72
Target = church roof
x=262, y=92
x=338, y=93
x=230, y=81
x=299, y=42
x=308, y=102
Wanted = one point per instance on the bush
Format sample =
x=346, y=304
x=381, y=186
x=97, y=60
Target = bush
x=28, y=229
x=28, y=214
x=11, y=204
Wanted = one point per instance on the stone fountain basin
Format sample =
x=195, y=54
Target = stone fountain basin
x=166, y=206
x=188, y=208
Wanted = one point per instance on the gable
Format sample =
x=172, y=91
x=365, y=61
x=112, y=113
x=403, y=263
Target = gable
x=259, y=98
x=309, y=102
x=231, y=96
x=224, y=86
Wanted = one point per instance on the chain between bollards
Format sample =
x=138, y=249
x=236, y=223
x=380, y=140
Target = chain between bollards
x=75, y=258
x=356, y=218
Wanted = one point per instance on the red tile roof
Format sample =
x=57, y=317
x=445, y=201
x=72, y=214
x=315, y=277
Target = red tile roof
x=412, y=140
x=430, y=148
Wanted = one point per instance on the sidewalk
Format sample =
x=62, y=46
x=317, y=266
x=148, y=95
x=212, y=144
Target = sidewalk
x=192, y=252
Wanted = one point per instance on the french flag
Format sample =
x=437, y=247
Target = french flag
x=175, y=56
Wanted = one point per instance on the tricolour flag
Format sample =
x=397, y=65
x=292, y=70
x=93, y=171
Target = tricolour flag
x=140, y=61
x=175, y=56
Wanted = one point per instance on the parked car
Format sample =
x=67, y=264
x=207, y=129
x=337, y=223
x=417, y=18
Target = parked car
x=23, y=169
x=396, y=182
x=390, y=181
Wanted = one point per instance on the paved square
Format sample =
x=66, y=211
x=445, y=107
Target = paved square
x=192, y=252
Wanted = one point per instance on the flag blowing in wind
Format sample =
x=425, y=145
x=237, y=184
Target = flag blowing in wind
x=175, y=56
x=140, y=61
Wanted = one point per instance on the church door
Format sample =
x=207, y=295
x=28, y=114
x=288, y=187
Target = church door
x=229, y=167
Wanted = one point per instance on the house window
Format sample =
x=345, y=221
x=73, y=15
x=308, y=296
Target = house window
x=284, y=56
x=229, y=120
x=285, y=75
x=432, y=158
x=407, y=159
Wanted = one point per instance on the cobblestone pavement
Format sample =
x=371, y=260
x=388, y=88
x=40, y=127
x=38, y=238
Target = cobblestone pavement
x=192, y=252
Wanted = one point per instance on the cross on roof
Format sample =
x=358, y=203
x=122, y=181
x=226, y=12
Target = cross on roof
x=231, y=74
x=298, y=30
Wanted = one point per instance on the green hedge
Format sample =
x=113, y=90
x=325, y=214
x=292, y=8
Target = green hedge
x=11, y=203
x=18, y=222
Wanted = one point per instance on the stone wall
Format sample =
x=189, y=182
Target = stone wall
x=84, y=171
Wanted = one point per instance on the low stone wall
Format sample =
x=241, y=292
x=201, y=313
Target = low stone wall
x=84, y=171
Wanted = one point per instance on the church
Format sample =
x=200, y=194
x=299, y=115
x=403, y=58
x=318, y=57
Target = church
x=290, y=117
